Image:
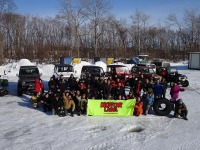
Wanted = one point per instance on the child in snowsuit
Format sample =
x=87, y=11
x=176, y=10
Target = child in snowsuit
x=150, y=100
x=138, y=108
x=180, y=109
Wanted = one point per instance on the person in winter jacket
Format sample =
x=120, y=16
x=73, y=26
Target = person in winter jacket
x=158, y=90
x=130, y=82
x=52, y=85
x=137, y=88
x=149, y=100
x=62, y=83
x=108, y=89
x=147, y=87
x=164, y=85
x=82, y=87
x=69, y=105
x=41, y=86
x=76, y=96
x=46, y=102
x=35, y=100
x=180, y=109
x=174, y=92
x=72, y=83
x=119, y=90
x=83, y=104
x=130, y=96
x=57, y=105
x=38, y=88
x=138, y=108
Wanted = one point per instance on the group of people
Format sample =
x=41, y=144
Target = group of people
x=67, y=96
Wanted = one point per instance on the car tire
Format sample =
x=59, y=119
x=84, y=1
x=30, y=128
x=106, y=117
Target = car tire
x=185, y=83
x=6, y=92
x=159, y=109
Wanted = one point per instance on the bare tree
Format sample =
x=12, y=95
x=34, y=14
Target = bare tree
x=6, y=6
x=96, y=10
x=139, y=21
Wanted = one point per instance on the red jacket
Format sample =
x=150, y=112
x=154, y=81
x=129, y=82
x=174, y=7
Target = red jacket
x=37, y=86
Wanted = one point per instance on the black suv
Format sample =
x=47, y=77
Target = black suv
x=26, y=82
x=92, y=70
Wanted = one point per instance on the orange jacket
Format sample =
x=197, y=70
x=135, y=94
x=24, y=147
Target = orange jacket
x=138, y=110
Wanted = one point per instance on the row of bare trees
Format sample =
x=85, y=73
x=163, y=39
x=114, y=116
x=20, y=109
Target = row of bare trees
x=87, y=28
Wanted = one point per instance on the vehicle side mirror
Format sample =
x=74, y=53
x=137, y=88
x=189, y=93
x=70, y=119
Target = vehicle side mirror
x=4, y=72
x=40, y=74
x=17, y=75
x=75, y=71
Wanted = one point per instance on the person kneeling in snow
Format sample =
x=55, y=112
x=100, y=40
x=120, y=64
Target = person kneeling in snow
x=35, y=100
x=138, y=108
x=58, y=106
x=46, y=102
x=69, y=105
x=180, y=109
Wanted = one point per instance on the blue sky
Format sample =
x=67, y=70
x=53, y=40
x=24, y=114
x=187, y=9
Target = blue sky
x=157, y=9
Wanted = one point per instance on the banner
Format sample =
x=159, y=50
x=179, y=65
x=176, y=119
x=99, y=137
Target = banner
x=110, y=107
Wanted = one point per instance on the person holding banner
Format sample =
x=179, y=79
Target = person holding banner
x=119, y=91
x=138, y=108
x=83, y=104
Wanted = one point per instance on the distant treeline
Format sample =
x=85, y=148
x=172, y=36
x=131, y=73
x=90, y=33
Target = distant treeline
x=87, y=28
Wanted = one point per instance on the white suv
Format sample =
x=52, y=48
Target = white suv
x=64, y=69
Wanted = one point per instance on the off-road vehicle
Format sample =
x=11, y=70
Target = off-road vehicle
x=64, y=69
x=26, y=82
x=92, y=70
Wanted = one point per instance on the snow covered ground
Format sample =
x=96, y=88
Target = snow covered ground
x=22, y=127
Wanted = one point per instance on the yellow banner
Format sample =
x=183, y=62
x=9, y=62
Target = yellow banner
x=110, y=107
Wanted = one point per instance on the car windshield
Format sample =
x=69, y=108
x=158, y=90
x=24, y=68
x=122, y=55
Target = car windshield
x=147, y=70
x=117, y=69
x=92, y=70
x=172, y=70
x=29, y=71
x=134, y=70
x=65, y=69
x=122, y=70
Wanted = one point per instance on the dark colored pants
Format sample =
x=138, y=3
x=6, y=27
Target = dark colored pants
x=46, y=107
x=182, y=114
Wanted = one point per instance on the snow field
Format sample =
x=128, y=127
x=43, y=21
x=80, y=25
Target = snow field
x=22, y=127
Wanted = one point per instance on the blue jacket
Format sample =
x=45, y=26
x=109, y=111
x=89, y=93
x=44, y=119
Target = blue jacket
x=150, y=100
x=158, y=89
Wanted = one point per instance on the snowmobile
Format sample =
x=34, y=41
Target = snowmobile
x=3, y=85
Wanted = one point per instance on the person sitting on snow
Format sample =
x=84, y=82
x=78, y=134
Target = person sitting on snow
x=180, y=109
x=138, y=108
